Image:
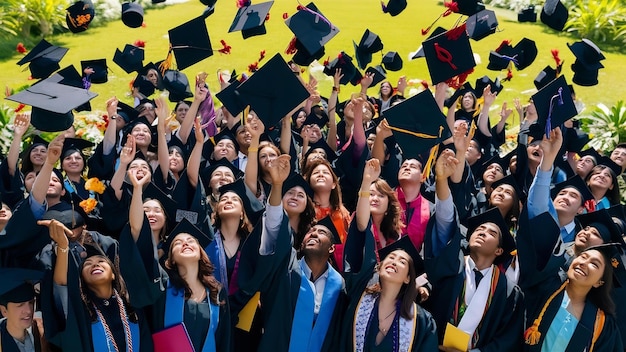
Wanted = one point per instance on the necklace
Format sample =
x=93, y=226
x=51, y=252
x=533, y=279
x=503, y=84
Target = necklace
x=124, y=317
x=199, y=299
x=381, y=322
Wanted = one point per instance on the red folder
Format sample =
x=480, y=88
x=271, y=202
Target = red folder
x=174, y=338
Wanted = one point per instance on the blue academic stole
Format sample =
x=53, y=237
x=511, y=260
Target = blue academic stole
x=308, y=333
x=175, y=311
x=102, y=344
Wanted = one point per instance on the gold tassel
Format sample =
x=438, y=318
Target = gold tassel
x=429, y=163
x=167, y=63
x=532, y=334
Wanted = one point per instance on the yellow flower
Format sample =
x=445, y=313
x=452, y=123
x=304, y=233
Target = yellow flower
x=94, y=184
x=88, y=204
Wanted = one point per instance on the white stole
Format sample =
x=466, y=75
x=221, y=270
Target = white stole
x=475, y=300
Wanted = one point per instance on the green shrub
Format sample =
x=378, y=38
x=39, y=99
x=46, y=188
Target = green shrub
x=601, y=21
x=35, y=18
x=606, y=126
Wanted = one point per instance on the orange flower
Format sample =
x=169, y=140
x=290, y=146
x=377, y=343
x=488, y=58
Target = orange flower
x=88, y=205
x=94, y=184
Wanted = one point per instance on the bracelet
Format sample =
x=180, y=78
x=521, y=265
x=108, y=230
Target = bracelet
x=114, y=116
x=63, y=250
x=253, y=150
x=336, y=89
x=364, y=194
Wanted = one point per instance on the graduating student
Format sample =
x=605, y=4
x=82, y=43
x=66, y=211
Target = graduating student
x=382, y=314
x=471, y=291
x=19, y=331
x=302, y=304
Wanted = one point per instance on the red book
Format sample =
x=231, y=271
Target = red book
x=174, y=338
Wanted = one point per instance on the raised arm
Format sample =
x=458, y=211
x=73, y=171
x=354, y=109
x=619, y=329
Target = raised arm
x=126, y=156
x=192, y=113
x=193, y=164
x=461, y=139
x=366, y=82
x=20, y=126
x=378, y=149
x=285, y=133
x=505, y=113
x=331, y=138
x=279, y=170
x=539, y=200
x=255, y=127
x=163, y=155
x=110, y=134
x=40, y=186
x=59, y=233
x=135, y=212
x=483, y=118
x=362, y=213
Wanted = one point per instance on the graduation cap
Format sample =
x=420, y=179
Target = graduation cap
x=370, y=43
x=465, y=88
x=554, y=106
x=328, y=223
x=331, y=155
x=405, y=244
x=169, y=205
x=79, y=15
x=186, y=227
x=311, y=28
x=526, y=52
x=177, y=84
x=295, y=179
x=69, y=218
x=226, y=133
x=493, y=215
x=127, y=112
x=132, y=14
x=44, y=59
x=483, y=82
x=379, y=74
x=418, y=125
x=130, y=59
x=317, y=117
x=575, y=182
x=231, y=99
x=501, y=58
x=303, y=57
x=71, y=145
x=190, y=43
x=496, y=159
x=272, y=91
x=554, y=14
x=587, y=64
x=448, y=55
x=250, y=20
x=547, y=75
x=583, y=76
x=69, y=76
x=481, y=24
x=606, y=161
x=394, y=7
x=254, y=209
x=508, y=180
x=619, y=217
x=145, y=87
x=344, y=62
x=392, y=61
x=208, y=171
x=469, y=7
x=575, y=139
x=100, y=68
x=527, y=14
x=420, y=51
x=52, y=104
x=602, y=221
x=17, y=285
x=592, y=152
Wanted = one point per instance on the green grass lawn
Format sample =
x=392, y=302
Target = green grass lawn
x=400, y=33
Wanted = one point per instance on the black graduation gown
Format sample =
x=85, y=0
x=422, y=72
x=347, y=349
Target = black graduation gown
x=102, y=165
x=359, y=262
x=278, y=277
x=11, y=187
x=152, y=279
x=349, y=180
x=539, y=278
x=9, y=345
x=501, y=327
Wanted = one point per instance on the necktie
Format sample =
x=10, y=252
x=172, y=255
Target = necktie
x=477, y=276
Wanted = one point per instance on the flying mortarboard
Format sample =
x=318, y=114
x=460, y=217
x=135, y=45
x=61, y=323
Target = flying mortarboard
x=575, y=182
x=317, y=117
x=554, y=14
x=392, y=61
x=554, y=106
x=273, y=91
x=70, y=77
x=311, y=28
x=587, y=64
x=527, y=14
x=394, y=7
x=132, y=14
x=483, y=82
x=250, y=20
x=494, y=216
x=79, y=15
x=230, y=99
x=526, y=51
x=130, y=59
x=17, y=285
x=370, y=43
x=52, y=104
x=100, y=68
x=448, y=55
x=420, y=51
x=406, y=245
x=44, y=59
x=418, y=125
x=547, y=75
x=379, y=74
x=190, y=43
x=344, y=62
x=303, y=58
x=481, y=24
x=469, y=7
x=177, y=84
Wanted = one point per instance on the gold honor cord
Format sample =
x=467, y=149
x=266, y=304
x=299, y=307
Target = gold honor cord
x=433, y=151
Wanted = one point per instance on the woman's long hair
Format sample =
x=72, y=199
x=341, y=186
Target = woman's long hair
x=164, y=230
x=205, y=275
x=245, y=226
x=601, y=296
x=336, y=202
x=392, y=225
x=408, y=292
x=118, y=284
x=611, y=194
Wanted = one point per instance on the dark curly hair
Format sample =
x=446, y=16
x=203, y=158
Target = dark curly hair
x=601, y=296
x=205, y=275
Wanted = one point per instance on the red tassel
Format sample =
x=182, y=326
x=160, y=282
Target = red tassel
x=285, y=15
x=291, y=48
x=504, y=43
x=139, y=43
x=253, y=67
x=424, y=84
x=425, y=30
x=267, y=17
x=243, y=3
x=21, y=48
x=299, y=7
x=456, y=82
x=455, y=33
x=261, y=55
x=444, y=55
x=327, y=61
x=509, y=75
x=19, y=107
x=555, y=56
x=452, y=7
x=225, y=47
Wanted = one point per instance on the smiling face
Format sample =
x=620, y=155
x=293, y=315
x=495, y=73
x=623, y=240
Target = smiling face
x=19, y=315
x=142, y=167
x=587, y=237
x=266, y=155
x=243, y=137
x=322, y=179
x=221, y=176
x=587, y=269
x=395, y=267
x=142, y=134
x=177, y=163
x=385, y=90
x=294, y=201
x=317, y=242
x=73, y=163
x=618, y=155
x=229, y=206
x=5, y=213
x=584, y=165
x=600, y=179
x=184, y=247
x=55, y=187
x=379, y=202
x=485, y=240
x=225, y=148
x=568, y=201
x=97, y=271
x=38, y=155
x=155, y=214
